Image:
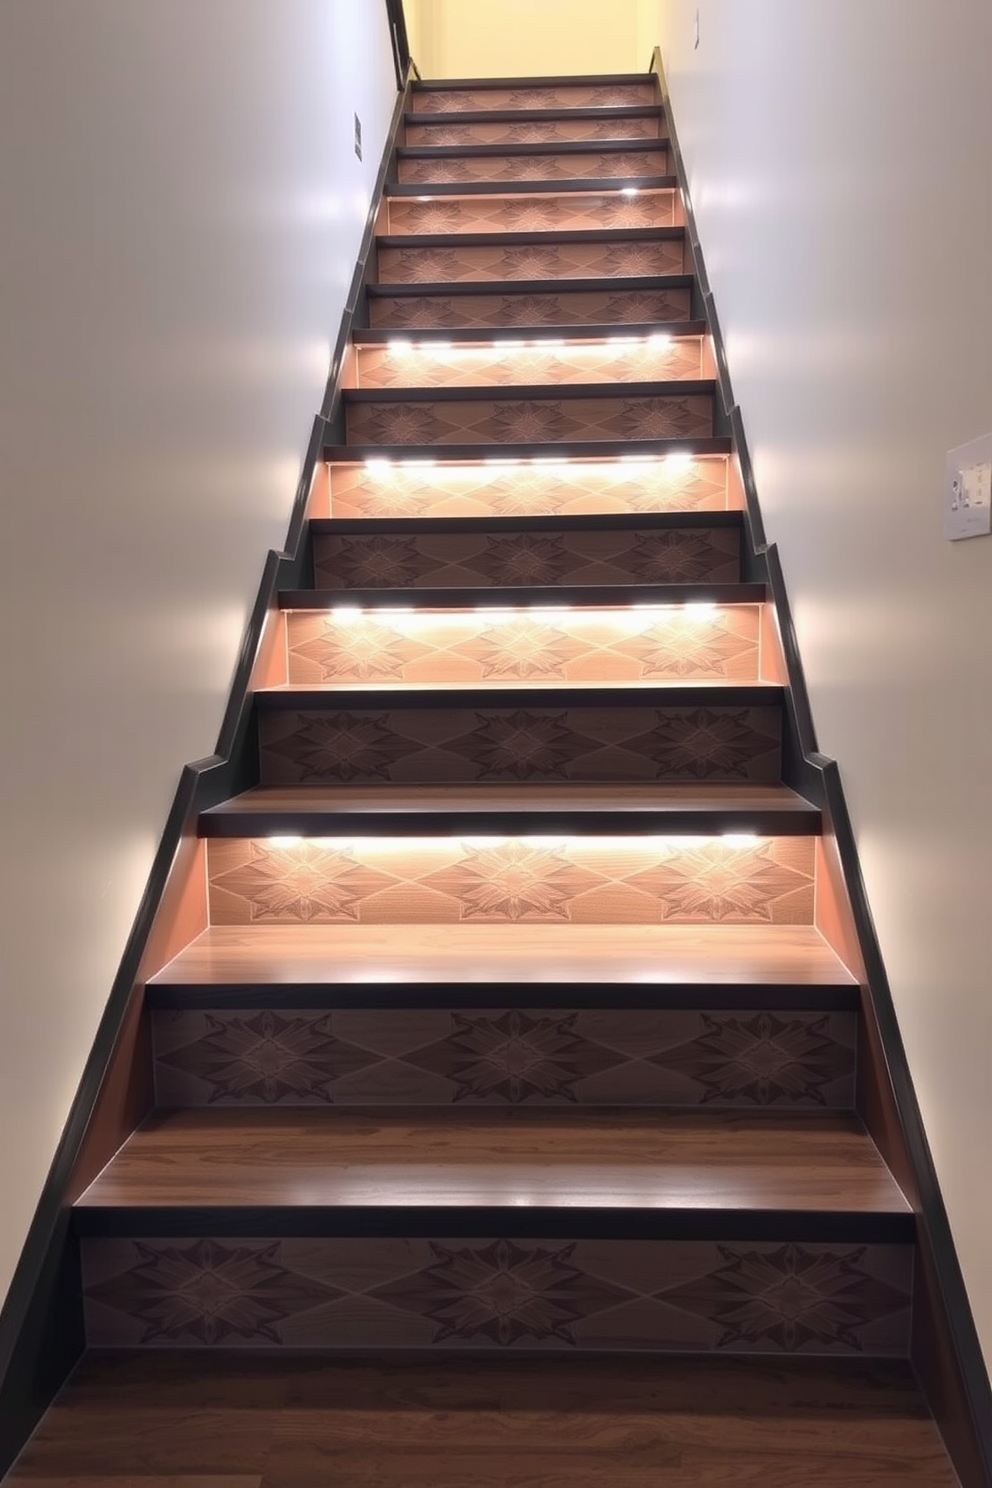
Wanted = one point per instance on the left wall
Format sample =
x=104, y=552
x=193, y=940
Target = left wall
x=182, y=210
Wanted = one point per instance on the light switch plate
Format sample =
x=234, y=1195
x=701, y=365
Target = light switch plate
x=968, y=490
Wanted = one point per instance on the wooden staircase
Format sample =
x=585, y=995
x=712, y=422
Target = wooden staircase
x=518, y=1023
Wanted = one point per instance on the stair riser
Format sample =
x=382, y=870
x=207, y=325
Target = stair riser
x=754, y=1298
x=555, y=95
x=504, y=1057
x=669, y=359
x=569, y=212
x=535, y=131
x=583, y=744
x=518, y=489
x=522, y=261
x=594, y=165
x=454, y=559
x=529, y=420
x=580, y=307
x=477, y=648
x=493, y=880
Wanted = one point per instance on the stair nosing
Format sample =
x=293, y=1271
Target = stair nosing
x=562, y=453
x=590, y=185
x=535, y=115
x=583, y=522
x=501, y=597
x=487, y=335
x=631, y=283
x=434, y=695
x=669, y=234
x=699, y=387
x=485, y=148
x=557, y=80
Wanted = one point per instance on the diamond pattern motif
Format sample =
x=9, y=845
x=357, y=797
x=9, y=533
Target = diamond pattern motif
x=550, y=261
x=484, y=366
x=521, y=1293
x=423, y=560
x=532, y=131
x=571, y=646
x=541, y=213
x=594, y=166
x=563, y=95
x=620, y=307
x=412, y=745
x=496, y=1057
x=548, y=489
x=529, y=420
x=442, y=880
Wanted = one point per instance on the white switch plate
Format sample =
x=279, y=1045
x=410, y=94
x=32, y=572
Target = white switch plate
x=968, y=490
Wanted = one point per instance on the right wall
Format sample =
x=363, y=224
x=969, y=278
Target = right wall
x=840, y=163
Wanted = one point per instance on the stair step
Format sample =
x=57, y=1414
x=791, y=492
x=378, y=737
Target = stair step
x=431, y=362
x=456, y=95
x=528, y=415
x=626, y=160
x=714, y=732
x=512, y=810
x=535, y=126
x=521, y=207
x=573, y=1058
x=702, y=1168
x=657, y=298
x=444, y=1422
x=417, y=258
x=495, y=642
x=547, y=965
x=428, y=489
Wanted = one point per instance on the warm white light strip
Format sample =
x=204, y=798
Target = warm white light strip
x=405, y=348
x=653, y=842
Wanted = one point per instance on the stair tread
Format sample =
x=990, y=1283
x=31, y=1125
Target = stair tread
x=504, y=454
x=666, y=955
x=630, y=284
x=549, y=599
x=589, y=185
x=562, y=795
x=494, y=1423
x=470, y=1157
x=519, y=392
x=617, y=521
x=486, y=336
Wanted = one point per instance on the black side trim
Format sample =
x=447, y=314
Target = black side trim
x=41, y=1334
x=817, y=776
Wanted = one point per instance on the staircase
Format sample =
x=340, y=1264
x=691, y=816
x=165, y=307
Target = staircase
x=506, y=1120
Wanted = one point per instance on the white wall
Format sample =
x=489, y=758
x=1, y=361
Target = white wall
x=839, y=154
x=182, y=209
x=489, y=38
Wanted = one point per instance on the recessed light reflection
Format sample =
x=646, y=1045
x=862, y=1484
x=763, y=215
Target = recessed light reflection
x=740, y=839
x=284, y=841
x=629, y=191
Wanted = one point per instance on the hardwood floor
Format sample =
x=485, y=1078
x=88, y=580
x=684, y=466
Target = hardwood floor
x=194, y=1421
x=465, y=1158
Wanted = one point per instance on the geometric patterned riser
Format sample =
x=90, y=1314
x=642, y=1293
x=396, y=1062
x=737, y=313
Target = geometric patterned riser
x=569, y=646
x=435, y=560
x=654, y=359
x=569, y=211
x=452, y=744
x=530, y=96
x=518, y=308
x=594, y=164
x=504, y=1057
x=587, y=487
x=530, y=261
x=528, y=419
x=534, y=131
x=748, y=1298
x=498, y=880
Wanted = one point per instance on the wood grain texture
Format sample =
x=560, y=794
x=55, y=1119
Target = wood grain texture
x=665, y=955
x=574, y=1159
x=226, y=1421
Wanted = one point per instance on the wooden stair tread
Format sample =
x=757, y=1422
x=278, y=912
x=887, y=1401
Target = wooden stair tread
x=687, y=1422
x=479, y=1157
x=666, y=955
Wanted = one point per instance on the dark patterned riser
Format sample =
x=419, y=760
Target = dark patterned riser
x=534, y=131
x=522, y=308
x=602, y=165
x=545, y=213
x=531, y=261
x=380, y=1295
x=527, y=420
x=449, y=560
x=619, y=743
x=505, y=1057
x=521, y=96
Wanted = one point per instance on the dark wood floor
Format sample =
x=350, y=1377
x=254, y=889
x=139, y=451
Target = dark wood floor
x=220, y=1421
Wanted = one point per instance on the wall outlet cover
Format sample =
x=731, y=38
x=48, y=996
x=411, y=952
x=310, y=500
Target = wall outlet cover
x=968, y=490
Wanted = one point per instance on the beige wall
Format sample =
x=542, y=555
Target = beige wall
x=488, y=38
x=182, y=208
x=839, y=155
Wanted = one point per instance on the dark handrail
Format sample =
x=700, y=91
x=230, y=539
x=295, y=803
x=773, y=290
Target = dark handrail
x=400, y=40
